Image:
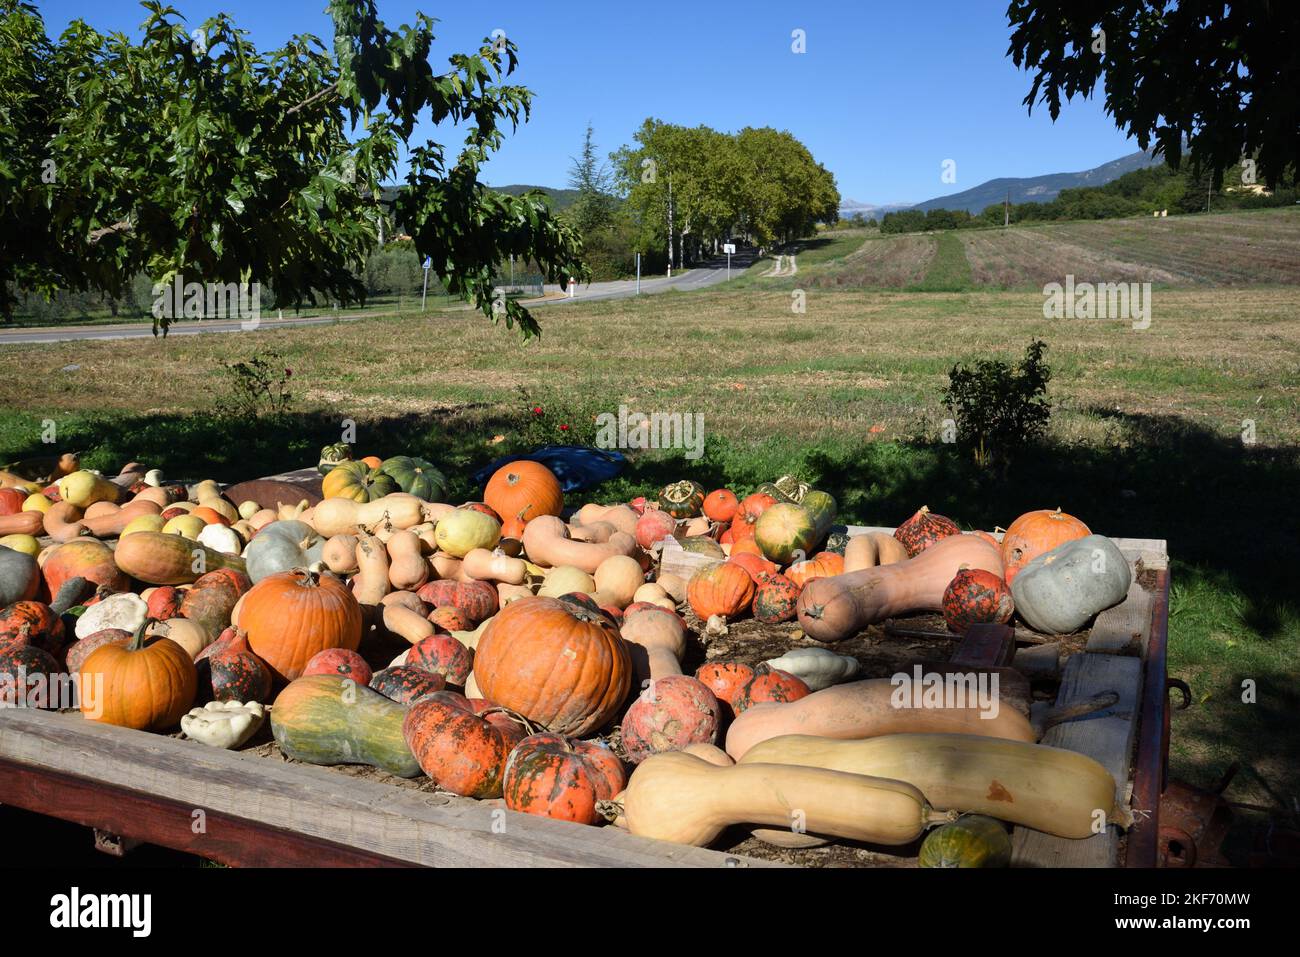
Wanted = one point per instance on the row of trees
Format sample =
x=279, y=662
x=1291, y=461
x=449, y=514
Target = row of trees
x=1138, y=193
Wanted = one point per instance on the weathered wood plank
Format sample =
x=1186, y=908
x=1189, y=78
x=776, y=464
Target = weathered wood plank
x=427, y=828
x=1107, y=737
x=1123, y=630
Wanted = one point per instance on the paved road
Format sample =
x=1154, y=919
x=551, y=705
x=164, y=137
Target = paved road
x=699, y=277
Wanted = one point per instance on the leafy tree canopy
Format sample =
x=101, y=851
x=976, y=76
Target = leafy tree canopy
x=1220, y=77
x=192, y=153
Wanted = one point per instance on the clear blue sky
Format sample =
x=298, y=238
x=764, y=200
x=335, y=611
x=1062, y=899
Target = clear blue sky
x=884, y=94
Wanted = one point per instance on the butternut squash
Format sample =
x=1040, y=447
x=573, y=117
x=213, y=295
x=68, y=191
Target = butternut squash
x=445, y=566
x=190, y=635
x=888, y=549
x=598, y=532
x=159, y=496
x=23, y=523
x=838, y=607
x=655, y=595
x=659, y=641
x=547, y=543
x=340, y=554
x=860, y=553
x=1048, y=789
x=866, y=709
x=407, y=569
x=483, y=565
x=63, y=522
x=506, y=593
x=407, y=624
x=622, y=517
x=674, y=585
x=342, y=516
x=110, y=520
x=681, y=798
x=370, y=584
x=617, y=579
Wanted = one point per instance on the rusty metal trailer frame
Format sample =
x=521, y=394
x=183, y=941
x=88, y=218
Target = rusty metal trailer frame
x=263, y=813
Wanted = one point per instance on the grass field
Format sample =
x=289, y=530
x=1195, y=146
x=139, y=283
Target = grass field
x=1146, y=441
x=1219, y=249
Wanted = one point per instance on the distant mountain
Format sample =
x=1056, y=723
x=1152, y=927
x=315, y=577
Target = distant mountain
x=1039, y=189
x=851, y=207
x=560, y=198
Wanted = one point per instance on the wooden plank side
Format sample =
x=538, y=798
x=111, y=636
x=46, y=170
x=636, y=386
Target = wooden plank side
x=1108, y=738
x=1123, y=630
x=428, y=828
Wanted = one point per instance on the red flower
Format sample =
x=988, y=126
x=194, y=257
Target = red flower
x=537, y=410
x=564, y=428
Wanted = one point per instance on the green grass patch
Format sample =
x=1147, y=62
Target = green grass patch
x=949, y=269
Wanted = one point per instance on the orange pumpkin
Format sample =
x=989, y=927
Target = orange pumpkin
x=522, y=491
x=1035, y=533
x=821, y=565
x=754, y=564
x=291, y=616
x=724, y=589
x=720, y=505
x=751, y=507
x=374, y=461
x=557, y=663
x=747, y=546
x=142, y=686
x=553, y=776
x=726, y=679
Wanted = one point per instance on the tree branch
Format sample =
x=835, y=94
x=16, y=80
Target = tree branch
x=332, y=88
x=121, y=226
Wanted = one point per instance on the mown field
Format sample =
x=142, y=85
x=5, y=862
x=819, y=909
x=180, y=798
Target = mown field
x=1146, y=441
x=1219, y=249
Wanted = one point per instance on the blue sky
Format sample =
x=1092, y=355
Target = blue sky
x=884, y=93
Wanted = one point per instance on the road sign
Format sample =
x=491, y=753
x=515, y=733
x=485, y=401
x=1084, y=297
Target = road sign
x=729, y=248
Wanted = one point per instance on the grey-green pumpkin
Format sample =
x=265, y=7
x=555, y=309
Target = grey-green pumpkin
x=1061, y=590
x=282, y=546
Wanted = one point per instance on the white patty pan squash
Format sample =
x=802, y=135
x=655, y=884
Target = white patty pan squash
x=1061, y=590
x=223, y=724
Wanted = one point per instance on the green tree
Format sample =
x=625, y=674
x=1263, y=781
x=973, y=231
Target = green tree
x=1220, y=77
x=594, y=207
x=192, y=153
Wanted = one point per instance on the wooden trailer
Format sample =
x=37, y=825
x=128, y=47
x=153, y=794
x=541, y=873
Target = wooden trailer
x=256, y=808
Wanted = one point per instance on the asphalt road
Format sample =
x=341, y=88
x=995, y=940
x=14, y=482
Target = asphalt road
x=698, y=277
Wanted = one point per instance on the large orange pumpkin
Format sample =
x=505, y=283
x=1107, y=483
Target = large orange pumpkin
x=724, y=589
x=1035, y=533
x=142, y=686
x=520, y=491
x=557, y=663
x=291, y=616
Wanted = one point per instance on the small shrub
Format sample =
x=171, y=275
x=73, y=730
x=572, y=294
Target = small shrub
x=998, y=410
x=256, y=386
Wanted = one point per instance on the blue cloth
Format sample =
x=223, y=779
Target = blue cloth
x=576, y=466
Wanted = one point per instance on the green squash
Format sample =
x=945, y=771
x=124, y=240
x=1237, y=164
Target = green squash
x=416, y=476
x=333, y=455
x=768, y=488
x=973, y=840
x=1060, y=591
x=821, y=508
x=703, y=545
x=785, y=533
x=684, y=499
x=329, y=719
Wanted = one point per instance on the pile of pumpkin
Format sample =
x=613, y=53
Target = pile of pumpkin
x=524, y=636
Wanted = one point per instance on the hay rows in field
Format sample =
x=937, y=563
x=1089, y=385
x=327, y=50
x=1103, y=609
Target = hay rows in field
x=891, y=262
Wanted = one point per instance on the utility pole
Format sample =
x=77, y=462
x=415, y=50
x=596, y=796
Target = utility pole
x=1006, y=210
x=670, y=227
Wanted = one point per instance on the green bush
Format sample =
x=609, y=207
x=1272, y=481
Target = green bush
x=999, y=410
